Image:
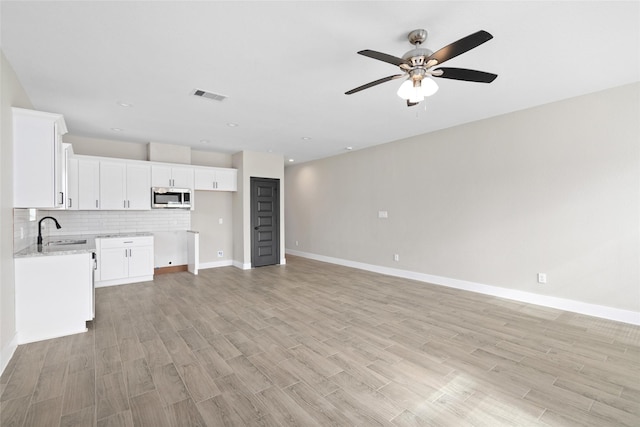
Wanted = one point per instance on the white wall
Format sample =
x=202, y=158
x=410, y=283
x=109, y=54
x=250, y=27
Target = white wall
x=211, y=207
x=11, y=95
x=106, y=147
x=553, y=189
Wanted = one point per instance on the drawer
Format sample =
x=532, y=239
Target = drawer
x=123, y=242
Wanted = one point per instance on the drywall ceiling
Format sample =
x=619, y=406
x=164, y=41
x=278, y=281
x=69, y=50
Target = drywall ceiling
x=284, y=66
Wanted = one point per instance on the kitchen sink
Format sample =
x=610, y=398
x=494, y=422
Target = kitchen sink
x=66, y=242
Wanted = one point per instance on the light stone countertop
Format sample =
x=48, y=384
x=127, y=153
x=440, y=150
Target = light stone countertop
x=70, y=249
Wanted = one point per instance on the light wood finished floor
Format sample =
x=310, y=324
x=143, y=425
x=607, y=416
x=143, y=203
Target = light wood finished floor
x=317, y=344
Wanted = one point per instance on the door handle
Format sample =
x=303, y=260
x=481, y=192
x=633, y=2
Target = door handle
x=255, y=228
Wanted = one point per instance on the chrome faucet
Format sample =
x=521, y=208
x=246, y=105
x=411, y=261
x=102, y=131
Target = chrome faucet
x=40, y=230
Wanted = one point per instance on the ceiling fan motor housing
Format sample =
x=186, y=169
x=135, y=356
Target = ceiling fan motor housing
x=416, y=57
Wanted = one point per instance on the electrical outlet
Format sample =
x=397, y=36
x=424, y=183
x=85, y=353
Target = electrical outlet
x=220, y=254
x=396, y=257
x=296, y=243
x=383, y=214
x=542, y=278
x=219, y=220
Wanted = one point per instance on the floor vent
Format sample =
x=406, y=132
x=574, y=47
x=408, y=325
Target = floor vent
x=209, y=95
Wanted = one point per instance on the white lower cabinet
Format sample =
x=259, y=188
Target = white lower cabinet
x=124, y=260
x=54, y=296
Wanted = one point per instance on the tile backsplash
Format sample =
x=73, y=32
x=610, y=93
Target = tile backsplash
x=25, y=231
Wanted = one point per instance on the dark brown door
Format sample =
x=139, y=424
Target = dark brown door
x=265, y=221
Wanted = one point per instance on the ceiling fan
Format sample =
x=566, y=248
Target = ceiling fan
x=417, y=65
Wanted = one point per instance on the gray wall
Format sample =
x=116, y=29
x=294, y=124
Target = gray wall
x=552, y=189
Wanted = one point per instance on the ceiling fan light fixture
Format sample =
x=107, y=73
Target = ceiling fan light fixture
x=429, y=86
x=416, y=90
x=406, y=89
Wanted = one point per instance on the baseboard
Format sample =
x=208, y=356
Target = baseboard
x=29, y=337
x=6, y=352
x=619, y=315
x=242, y=266
x=215, y=264
x=125, y=281
x=247, y=266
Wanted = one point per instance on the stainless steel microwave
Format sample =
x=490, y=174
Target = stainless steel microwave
x=170, y=198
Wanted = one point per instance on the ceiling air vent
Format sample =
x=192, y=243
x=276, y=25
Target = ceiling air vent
x=209, y=95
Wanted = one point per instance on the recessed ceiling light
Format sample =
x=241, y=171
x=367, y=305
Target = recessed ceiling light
x=116, y=129
x=232, y=125
x=205, y=141
x=306, y=138
x=124, y=104
x=348, y=148
x=291, y=160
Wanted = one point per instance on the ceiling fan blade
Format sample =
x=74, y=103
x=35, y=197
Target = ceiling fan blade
x=383, y=57
x=411, y=104
x=376, y=82
x=465, y=74
x=461, y=46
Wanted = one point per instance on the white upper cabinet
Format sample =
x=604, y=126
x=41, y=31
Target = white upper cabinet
x=124, y=186
x=88, y=184
x=102, y=183
x=171, y=176
x=138, y=186
x=113, y=177
x=216, y=179
x=72, y=183
x=38, y=159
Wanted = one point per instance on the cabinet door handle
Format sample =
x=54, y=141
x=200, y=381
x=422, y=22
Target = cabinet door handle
x=128, y=203
x=70, y=202
x=62, y=198
x=96, y=204
x=124, y=203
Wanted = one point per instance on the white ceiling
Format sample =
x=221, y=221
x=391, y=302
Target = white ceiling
x=285, y=66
